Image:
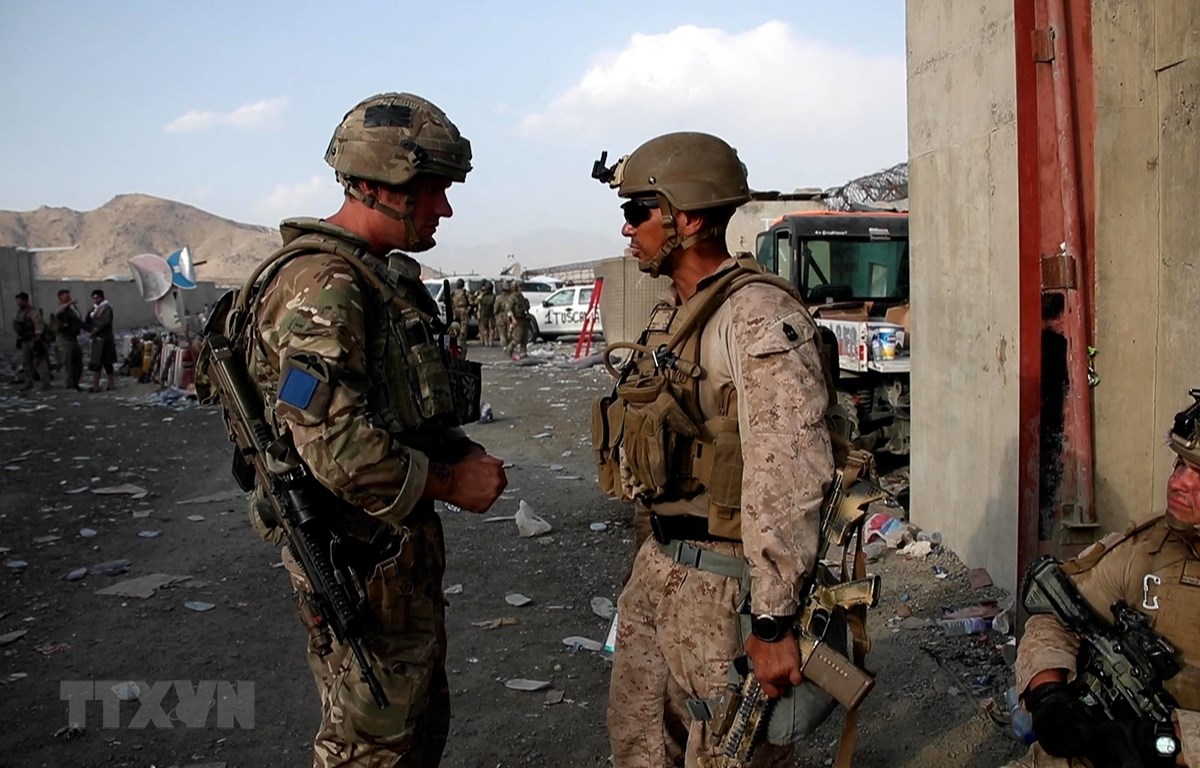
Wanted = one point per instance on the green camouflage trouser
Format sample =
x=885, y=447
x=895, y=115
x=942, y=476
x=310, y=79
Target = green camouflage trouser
x=409, y=656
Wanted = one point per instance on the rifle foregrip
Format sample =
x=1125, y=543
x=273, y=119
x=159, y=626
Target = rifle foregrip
x=834, y=673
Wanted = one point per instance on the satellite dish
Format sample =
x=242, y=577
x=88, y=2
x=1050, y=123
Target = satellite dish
x=169, y=311
x=183, y=270
x=152, y=275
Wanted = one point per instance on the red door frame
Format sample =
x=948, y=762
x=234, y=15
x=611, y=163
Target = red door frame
x=1055, y=93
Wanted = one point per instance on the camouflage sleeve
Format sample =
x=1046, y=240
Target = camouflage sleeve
x=785, y=445
x=313, y=310
x=1047, y=644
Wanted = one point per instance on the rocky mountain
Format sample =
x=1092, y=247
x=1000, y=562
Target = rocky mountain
x=131, y=224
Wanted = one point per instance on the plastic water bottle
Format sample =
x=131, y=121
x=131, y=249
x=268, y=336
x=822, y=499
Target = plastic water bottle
x=1021, y=721
x=933, y=537
x=972, y=626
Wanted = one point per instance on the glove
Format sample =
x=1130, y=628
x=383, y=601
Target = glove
x=1126, y=745
x=1064, y=726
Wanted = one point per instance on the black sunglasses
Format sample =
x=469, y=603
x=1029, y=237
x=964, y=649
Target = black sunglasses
x=637, y=212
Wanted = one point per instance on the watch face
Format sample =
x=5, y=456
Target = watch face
x=1165, y=745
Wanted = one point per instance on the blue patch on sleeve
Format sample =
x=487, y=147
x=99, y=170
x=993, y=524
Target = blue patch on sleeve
x=298, y=388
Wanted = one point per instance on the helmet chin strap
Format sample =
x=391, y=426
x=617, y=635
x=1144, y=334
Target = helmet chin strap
x=405, y=216
x=673, y=243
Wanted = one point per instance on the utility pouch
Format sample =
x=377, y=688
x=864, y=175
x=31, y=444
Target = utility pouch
x=654, y=428
x=431, y=380
x=466, y=385
x=718, y=467
x=608, y=414
x=390, y=592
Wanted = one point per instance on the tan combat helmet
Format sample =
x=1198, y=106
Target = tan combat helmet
x=391, y=138
x=1185, y=433
x=686, y=172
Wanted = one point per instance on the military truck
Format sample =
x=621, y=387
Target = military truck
x=852, y=270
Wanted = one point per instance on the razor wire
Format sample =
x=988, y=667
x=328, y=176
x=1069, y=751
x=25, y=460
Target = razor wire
x=871, y=191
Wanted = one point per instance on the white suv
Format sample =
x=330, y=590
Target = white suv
x=561, y=313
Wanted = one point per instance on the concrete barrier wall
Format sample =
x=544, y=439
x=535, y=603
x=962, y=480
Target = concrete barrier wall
x=963, y=234
x=1147, y=167
x=18, y=273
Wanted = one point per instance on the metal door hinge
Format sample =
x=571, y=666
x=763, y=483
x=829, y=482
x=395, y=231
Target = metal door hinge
x=1058, y=272
x=1043, y=45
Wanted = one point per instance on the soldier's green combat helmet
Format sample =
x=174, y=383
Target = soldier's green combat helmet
x=1185, y=433
x=392, y=138
x=681, y=172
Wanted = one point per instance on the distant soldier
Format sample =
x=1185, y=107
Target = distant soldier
x=486, y=309
x=67, y=323
x=460, y=300
x=104, y=345
x=503, y=305
x=518, y=325
x=30, y=329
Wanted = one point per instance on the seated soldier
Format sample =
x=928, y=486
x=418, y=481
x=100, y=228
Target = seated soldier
x=1154, y=566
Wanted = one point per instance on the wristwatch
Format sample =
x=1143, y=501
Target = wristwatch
x=771, y=629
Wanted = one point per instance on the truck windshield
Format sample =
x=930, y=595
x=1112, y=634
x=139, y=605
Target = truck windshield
x=854, y=270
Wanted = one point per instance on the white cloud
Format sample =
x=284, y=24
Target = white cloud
x=795, y=107
x=256, y=114
x=317, y=196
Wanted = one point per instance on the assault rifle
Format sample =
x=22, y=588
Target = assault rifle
x=337, y=601
x=1122, y=665
x=742, y=714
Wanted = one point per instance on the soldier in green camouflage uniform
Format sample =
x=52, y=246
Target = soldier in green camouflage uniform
x=518, y=324
x=365, y=422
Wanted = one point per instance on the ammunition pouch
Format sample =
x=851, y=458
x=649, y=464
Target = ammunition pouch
x=608, y=418
x=717, y=464
x=803, y=708
x=656, y=431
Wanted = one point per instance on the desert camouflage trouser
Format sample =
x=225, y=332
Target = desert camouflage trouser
x=487, y=329
x=518, y=335
x=462, y=315
x=676, y=636
x=72, y=360
x=502, y=328
x=409, y=656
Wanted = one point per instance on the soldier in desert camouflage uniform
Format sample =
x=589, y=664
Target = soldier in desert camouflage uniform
x=502, y=307
x=460, y=302
x=723, y=446
x=486, y=304
x=341, y=310
x=1154, y=566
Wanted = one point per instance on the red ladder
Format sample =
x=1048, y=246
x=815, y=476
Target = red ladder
x=583, y=347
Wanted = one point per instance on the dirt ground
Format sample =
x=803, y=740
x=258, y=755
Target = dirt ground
x=58, y=448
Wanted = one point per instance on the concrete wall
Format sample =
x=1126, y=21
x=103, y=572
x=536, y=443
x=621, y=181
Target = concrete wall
x=756, y=215
x=963, y=230
x=1147, y=167
x=627, y=299
x=18, y=273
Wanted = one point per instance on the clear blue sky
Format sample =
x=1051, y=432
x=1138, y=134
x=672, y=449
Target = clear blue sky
x=229, y=106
